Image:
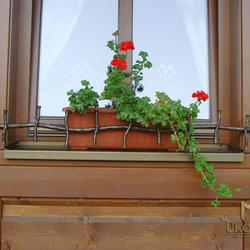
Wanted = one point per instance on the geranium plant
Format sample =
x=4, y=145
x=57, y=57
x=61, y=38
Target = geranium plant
x=120, y=88
x=82, y=99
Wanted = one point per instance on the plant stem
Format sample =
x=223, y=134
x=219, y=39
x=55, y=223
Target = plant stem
x=172, y=127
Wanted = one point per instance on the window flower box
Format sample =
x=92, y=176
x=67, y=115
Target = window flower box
x=115, y=133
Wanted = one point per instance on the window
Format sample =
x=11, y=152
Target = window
x=74, y=34
x=225, y=60
x=175, y=34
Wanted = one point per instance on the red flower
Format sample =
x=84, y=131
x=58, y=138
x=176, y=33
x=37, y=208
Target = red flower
x=201, y=95
x=127, y=45
x=131, y=45
x=124, y=46
x=119, y=63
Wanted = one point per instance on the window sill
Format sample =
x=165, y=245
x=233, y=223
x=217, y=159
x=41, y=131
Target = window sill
x=57, y=151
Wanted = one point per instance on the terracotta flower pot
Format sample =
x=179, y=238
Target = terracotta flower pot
x=114, y=139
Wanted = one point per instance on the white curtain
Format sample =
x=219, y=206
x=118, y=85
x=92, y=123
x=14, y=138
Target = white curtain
x=58, y=22
x=195, y=22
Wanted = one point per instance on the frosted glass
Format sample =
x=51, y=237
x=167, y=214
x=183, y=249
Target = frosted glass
x=74, y=34
x=175, y=35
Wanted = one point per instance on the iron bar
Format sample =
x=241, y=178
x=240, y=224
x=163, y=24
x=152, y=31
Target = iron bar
x=22, y=125
x=96, y=127
x=158, y=134
x=11, y=144
x=245, y=131
x=168, y=130
x=5, y=125
x=231, y=128
x=66, y=127
x=119, y=127
x=37, y=118
x=153, y=130
x=44, y=125
x=126, y=134
x=217, y=126
x=221, y=127
x=205, y=126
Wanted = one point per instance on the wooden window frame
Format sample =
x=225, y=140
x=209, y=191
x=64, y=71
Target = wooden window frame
x=225, y=83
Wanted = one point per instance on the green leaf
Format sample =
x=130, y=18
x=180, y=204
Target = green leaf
x=198, y=166
x=148, y=65
x=173, y=138
x=143, y=54
x=111, y=45
x=215, y=203
x=209, y=168
x=203, y=183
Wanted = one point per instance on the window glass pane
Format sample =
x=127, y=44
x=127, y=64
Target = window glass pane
x=74, y=34
x=175, y=35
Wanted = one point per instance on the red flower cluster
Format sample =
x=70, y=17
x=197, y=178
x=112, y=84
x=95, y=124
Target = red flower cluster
x=201, y=95
x=119, y=63
x=127, y=45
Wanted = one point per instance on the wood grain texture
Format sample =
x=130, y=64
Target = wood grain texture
x=4, y=51
x=40, y=236
x=213, y=58
x=247, y=221
x=117, y=202
x=53, y=227
x=29, y=236
x=119, y=212
x=1, y=211
x=245, y=60
x=23, y=58
x=35, y=47
x=224, y=65
x=235, y=73
x=121, y=183
x=23, y=74
x=13, y=68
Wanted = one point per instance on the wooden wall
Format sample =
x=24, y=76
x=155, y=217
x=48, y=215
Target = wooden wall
x=116, y=225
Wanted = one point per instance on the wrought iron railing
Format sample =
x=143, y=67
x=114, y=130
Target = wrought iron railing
x=128, y=127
